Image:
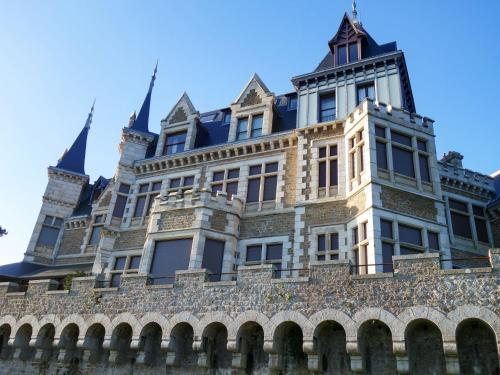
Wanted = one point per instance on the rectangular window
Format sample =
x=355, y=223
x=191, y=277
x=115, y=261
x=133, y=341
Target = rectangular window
x=227, y=181
x=424, y=168
x=242, y=131
x=121, y=202
x=481, y=224
x=292, y=103
x=327, y=107
x=328, y=166
x=382, y=155
x=421, y=145
x=50, y=231
x=227, y=118
x=410, y=235
x=124, y=188
x=170, y=256
x=386, y=229
x=403, y=161
x=274, y=252
x=366, y=91
x=401, y=138
x=254, y=253
x=321, y=242
x=380, y=131
x=353, y=52
x=433, y=239
x=139, y=206
x=213, y=255
x=342, y=55
x=256, y=130
x=174, y=143
x=95, y=236
x=262, y=184
x=387, y=254
x=460, y=219
x=135, y=261
x=355, y=236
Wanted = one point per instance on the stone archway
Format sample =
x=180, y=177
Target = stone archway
x=375, y=347
x=424, y=344
x=331, y=348
x=288, y=340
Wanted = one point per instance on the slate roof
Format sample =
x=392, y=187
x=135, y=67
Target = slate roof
x=73, y=160
x=27, y=270
x=89, y=193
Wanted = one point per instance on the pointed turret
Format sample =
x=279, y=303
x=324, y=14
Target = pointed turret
x=142, y=121
x=73, y=160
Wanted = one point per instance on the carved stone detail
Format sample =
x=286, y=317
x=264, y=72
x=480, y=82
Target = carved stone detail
x=252, y=98
x=179, y=116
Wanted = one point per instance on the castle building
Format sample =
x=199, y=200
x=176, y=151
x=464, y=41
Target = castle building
x=315, y=231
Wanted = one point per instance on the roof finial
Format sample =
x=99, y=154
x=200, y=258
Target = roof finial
x=354, y=10
x=89, y=118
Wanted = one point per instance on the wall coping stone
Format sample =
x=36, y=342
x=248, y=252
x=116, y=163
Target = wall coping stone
x=85, y=278
x=113, y=289
x=162, y=286
x=257, y=267
x=290, y=280
x=44, y=281
x=461, y=271
x=16, y=294
x=211, y=284
x=416, y=256
x=57, y=292
x=373, y=276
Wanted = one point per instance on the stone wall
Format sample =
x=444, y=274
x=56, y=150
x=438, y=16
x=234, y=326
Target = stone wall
x=418, y=291
x=218, y=221
x=130, y=239
x=495, y=229
x=267, y=225
x=408, y=203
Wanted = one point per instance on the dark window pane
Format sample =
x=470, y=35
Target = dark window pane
x=410, y=235
x=254, y=253
x=170, y=256
x=327, y=108
x=58, y=222
x=403, y=162
x=353, y=52
x=321, y=242
x=333, y=150
x=433, y=239
x=322, y=174
x=213, y=255
x=461, y=225
x=135, y=261
x=152, y=198
x=352, y=168
x=386, y=228
x=342, y=55
x=421, y=145
x=424, y=168
x=457, y=205
x=322, y=152
x=48, y=236
x=216, y=188
x=321, y=258
x=478, y=210
x=175, y=183
x=401, y=138
x=407, y=251
x=115, y=280
x=242, y=128
x=119, y=209
x=334, y=240
x=98, y=219
x=139, y=206
x=270, y=188
x=255, y=169
x=292, y=103
x=334, y=256
x=257, y=126
x=382, y=155
x=272, y=167
x=274, y=252
x=253, y=190
x=366, y=91
x=387, y=253
x=334, y=173
x=120, y=263
x=188, y=181
x=48, y=220
x=482, y=231
x=156, y=186
x=355, y=237
x=95, y=236
x=231, y=189
x=227, y=118
x=174, y=143
x=143, y=188
x=380, y=131
x=233, y=173
x=124, y=188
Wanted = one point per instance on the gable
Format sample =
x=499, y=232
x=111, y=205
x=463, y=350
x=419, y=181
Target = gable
x=253, y=93
x=181, y=111
x=347, y=32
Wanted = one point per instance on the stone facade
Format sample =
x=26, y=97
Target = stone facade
x=321, y=236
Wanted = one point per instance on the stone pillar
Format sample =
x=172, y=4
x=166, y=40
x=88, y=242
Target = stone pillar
x=451, y=357
x=495, y=258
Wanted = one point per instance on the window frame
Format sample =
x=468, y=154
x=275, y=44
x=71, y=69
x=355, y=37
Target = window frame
x=225, y=181
x=262, y=176
x=249, y=126
x=149, y=196
x=118, y=273
x=359, y=248
x=321, y=96
x=365, y=86
x=49, y=222
x=329, y=188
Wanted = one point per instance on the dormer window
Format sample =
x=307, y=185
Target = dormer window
x=342, y=55
x=174, y=143
x=353, y=52
x=250, y=127
x=366, y=91
x=227, y=118
x=292, y=103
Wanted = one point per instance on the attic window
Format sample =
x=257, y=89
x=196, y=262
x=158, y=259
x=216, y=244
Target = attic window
x=347, y=53
x=227, y=118
x=341, y=55
x=208, y=118
x=292, y=103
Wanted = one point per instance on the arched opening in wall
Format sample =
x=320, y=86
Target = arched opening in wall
x=288, y=343
x=93, y=342
x=150, y=344
x=5, y=331
x=477, y=348
x=251, y=345
x=331, y=348
x=67, y=344
x=181, y=342
x=21, y=342
x=375, y=347
x=424, y=345
x=215, y=346
x=44, y=341
x=120, y=343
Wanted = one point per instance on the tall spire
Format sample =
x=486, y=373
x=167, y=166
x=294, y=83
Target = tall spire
x=73, y=160
x=142, y=121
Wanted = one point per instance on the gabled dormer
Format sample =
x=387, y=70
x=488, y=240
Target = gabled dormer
x=347, y=44
x=252, y=111
x=178, y=129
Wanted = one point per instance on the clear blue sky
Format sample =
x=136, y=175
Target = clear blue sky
x=56, y=56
